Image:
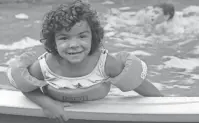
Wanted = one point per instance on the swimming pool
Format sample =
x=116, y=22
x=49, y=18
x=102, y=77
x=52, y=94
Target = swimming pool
x=172, y=59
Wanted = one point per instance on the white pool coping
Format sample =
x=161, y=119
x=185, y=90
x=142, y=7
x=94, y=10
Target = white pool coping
x=112, y=108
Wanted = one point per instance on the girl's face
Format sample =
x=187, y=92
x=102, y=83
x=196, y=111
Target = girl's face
x=74, y=45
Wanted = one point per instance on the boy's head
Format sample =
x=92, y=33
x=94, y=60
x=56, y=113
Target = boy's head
x=162, y=12
x=67, y=18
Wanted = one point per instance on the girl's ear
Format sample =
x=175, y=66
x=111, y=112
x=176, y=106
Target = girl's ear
x=166, y=17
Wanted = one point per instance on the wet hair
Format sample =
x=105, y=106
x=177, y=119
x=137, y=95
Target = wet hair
x=168, y=9
x=65, y=17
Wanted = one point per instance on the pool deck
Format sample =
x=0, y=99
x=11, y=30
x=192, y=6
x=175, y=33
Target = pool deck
x=14, y=106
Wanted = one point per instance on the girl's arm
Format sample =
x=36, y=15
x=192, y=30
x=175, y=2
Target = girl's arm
x=51, y=108
x=24, y=73
x=148, y=89
x=36, y=95
x=23, y=80
x=130, y=76
x=39, y=98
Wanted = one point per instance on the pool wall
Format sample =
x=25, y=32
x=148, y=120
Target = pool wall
x=15, y=107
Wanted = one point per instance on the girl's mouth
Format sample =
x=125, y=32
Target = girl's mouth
x=74, y=53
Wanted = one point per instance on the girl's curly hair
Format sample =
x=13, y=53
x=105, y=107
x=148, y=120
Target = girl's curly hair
x=65, y=17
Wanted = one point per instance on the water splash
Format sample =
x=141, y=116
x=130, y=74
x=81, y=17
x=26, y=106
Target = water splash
x=22, y=16
x=188, y=64
x=137, y=53
x=108, y=2
x=22, y=44
x=196, y=50
x=3, y=69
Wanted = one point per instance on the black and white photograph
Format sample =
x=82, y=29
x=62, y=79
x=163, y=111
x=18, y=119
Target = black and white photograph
x=99, y=61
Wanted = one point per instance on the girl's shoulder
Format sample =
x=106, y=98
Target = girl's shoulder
x=35, y=70
x=113, y=66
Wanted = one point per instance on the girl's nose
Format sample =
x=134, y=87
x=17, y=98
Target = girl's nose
x=73, y=44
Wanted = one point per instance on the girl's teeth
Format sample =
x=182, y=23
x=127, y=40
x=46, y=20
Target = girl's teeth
x=73, y=53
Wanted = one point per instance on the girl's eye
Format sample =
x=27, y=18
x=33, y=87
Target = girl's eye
x=156, y=12
x=64, y=38
x=82, y=36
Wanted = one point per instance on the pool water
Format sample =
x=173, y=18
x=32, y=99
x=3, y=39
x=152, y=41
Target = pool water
x=172, y=57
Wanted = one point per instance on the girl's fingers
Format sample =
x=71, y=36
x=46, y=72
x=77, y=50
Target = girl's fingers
x=67, y=104
x=64, y=104
x=57, y=120
x=64, y=117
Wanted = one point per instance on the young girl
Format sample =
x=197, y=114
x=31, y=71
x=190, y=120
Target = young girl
x=75, y=66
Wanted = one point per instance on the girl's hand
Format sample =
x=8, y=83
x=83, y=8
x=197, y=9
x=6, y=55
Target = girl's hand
x=56, y=111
